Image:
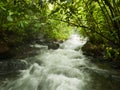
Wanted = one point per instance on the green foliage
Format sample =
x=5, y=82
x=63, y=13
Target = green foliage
x=97, y=19
x=27, y=19
x=112, y=53
x=55, y=30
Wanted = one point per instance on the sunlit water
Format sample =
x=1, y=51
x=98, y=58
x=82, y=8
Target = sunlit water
x=63, y=69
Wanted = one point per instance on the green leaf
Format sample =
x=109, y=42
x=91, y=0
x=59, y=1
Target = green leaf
x=116, y=18
x=62, y=0
x=10, y=13
x=56, y=10
x=2, y=6
x=72, y=9
x=9, y=18
x=69, y=1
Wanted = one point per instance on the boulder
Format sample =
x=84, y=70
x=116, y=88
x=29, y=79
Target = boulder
x=53, y=45
x=12, y=66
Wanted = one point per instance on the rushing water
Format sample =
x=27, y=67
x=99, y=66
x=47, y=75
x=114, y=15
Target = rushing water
x=63, y=69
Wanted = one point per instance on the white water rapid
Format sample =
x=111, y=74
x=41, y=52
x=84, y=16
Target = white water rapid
x=63, y=69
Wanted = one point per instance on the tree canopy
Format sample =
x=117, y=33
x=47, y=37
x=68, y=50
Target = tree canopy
x=99, y=20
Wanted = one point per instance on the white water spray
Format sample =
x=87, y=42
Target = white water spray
x=59, y=69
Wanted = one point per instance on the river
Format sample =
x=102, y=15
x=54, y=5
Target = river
x=65, y=68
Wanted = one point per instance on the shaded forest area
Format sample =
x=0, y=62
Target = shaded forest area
x=22, y=21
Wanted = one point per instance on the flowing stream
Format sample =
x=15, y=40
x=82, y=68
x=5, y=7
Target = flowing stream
x=63, y=69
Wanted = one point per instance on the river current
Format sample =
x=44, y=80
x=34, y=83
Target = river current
x=65, y=68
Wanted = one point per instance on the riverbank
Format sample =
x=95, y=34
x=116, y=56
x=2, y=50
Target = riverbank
x=97, y=52
x=20, y=50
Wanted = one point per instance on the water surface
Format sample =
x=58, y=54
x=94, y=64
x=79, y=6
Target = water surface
x=63, y=69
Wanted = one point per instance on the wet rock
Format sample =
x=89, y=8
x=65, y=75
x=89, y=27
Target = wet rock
x=53, y=45
x=3, y=48
x=115, y=64
x=43, y=42
x=4, y=51
x=7, y=67
x=115, y=77
x=50, y=44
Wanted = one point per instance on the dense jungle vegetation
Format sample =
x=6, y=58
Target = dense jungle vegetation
x=99, y=20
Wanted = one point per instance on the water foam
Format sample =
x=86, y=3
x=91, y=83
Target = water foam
x=59, y=69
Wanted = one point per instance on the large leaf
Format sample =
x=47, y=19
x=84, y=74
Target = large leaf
x=9, y=18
